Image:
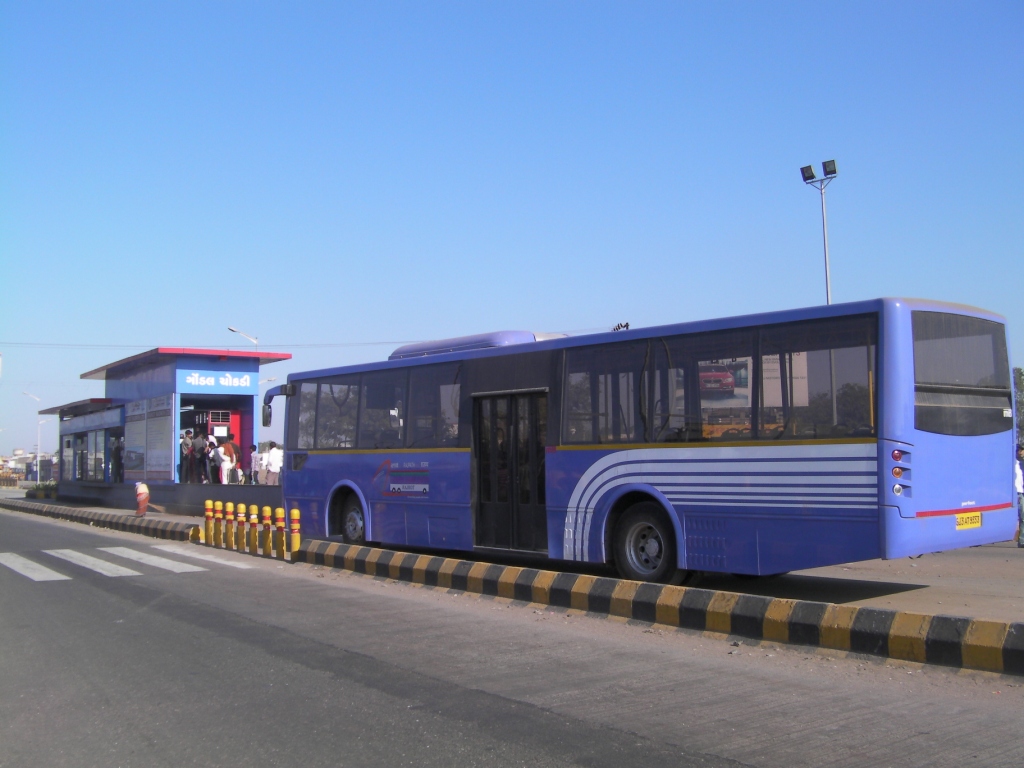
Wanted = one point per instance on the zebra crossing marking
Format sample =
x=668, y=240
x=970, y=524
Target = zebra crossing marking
x=186, y=550
x=32, y=570
x=92, y=563
x=153, y=560
x=36, y=572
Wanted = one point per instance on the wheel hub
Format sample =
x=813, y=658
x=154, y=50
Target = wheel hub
x=644, y=548
x=354, y=525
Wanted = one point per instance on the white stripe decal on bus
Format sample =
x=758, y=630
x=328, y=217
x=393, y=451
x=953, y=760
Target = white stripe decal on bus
x=768, y=476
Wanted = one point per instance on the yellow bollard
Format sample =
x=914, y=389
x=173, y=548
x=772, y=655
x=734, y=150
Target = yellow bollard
x=279, y=536
x=254, y=529
x=229, y=525
x=218, y=524
x=296, y=532
x=240, y=528
x=267, y=532
x=209, y=523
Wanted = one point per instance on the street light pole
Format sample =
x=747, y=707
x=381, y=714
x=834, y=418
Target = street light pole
x=824, y=234
x=253, y=339
x=828, y=170
x=39, y=434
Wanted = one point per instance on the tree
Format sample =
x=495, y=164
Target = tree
x=1018, y=394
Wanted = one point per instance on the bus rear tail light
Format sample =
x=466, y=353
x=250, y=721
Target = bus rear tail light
x=897, y=455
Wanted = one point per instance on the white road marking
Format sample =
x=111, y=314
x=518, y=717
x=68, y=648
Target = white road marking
x=156, y=562
x=186, y=550
x=92, y=563
x=32, y=570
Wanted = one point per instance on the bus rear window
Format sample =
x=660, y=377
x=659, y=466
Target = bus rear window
x=961, y=375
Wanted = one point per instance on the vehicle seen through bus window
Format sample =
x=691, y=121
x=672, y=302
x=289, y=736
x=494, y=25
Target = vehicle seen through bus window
x=748, y=445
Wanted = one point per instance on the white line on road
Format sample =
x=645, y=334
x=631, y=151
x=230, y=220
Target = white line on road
x=32, y=570
x=92, y=563
x=193, y=551
x=156, y=562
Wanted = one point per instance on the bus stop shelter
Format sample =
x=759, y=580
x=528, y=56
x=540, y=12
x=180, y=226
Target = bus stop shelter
x=133, y=433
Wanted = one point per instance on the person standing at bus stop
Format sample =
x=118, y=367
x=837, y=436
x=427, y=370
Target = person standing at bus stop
x=254, y=465
x=275, y=460
x=200, y=465
x=228, y=461
x=1018, y=482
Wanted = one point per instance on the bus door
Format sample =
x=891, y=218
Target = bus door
x=509, y=434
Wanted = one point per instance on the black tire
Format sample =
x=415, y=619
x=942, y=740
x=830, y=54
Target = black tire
x=353, y=521
x=645, y=545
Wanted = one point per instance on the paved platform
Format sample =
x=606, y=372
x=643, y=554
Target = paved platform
x=955, y=641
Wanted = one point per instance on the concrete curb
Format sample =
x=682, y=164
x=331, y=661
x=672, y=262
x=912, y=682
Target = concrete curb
x=158, y=529
x=947, y=640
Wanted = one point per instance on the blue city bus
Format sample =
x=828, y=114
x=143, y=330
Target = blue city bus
x=749, y=445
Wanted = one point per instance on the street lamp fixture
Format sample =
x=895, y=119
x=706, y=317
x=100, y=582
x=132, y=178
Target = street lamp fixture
x=828, y=171
x=253, y=339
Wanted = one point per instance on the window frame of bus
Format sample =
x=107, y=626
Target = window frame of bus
x=429, y=378
x=820, y=335
x=613, y=352
x=945, y=408
x=411, y=376
x=710, y=346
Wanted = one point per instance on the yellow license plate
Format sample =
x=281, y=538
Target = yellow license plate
x=967, y=520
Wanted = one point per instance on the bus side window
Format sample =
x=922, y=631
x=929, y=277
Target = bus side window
x=434, y=392
x=817, y=380
x=382, y=411
x=336, y=413
x=307, y=416
x=672, y=420
x=702, y=387
x=604, y=394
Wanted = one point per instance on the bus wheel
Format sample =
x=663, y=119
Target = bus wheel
x=644, y=544
x=353, y=524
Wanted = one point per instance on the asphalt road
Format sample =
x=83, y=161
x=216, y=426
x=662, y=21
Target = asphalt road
x=297, y=665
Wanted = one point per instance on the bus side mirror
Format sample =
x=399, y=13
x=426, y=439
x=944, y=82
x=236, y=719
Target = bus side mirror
x=267, y=414
x=288, y=390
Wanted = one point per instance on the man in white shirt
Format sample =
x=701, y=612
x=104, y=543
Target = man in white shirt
x=275, y=460
x=254, y=465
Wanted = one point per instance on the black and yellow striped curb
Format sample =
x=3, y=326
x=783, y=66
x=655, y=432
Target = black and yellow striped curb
x=948, y=640
x=158, y=529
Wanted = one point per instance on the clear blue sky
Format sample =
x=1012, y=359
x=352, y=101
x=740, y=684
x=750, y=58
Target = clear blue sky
x=338, y=178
